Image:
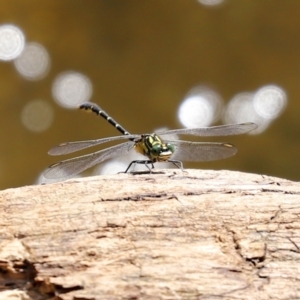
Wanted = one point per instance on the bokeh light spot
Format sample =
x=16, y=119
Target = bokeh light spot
x=70, y=89
x=37, y=115
x=34, y=62
x=12, y=42
x=269, y=101
x=210, y=2
x=240, y=109
x=43, y=180
x=112, y=167
x=201, y=107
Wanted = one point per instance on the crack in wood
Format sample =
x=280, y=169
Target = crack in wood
x=227, y=237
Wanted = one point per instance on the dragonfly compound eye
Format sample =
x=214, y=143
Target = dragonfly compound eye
x=170, y=147
x=156, y=149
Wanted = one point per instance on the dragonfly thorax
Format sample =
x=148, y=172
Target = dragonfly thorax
x=154, y=148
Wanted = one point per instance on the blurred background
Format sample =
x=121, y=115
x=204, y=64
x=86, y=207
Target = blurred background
x=151, y=65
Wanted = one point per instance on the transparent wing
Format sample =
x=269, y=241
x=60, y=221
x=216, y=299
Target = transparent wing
x=73, y=166
x=195, y=151
x=70, y=147
x=221, y=130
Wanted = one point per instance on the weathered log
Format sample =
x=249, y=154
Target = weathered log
x=165, y=235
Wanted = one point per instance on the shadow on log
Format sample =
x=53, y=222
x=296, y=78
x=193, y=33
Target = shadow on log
x=166, y=235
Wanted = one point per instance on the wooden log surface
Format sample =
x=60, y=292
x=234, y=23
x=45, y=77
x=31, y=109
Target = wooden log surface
x=198, y=234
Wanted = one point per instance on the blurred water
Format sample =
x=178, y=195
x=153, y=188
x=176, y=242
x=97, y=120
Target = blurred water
x=171, y=63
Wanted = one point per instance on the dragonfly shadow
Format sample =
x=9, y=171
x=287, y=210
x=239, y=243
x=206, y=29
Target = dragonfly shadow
x=146, y=172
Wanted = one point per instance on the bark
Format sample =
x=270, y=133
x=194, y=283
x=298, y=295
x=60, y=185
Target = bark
x=165, y=235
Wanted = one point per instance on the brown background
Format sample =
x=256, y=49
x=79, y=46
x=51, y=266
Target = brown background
x=142, y=58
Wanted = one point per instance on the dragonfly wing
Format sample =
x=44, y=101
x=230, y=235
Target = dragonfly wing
x=78, y=164
x=195, y=151
x=221, y=130
x=70, y=147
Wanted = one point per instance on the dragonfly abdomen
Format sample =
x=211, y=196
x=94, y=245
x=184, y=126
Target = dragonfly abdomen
x=97, y=110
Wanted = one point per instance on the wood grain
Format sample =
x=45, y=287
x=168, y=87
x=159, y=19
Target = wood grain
x=166, y=235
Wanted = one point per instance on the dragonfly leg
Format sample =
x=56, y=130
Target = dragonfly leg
x=143, y=162
x=177, y=163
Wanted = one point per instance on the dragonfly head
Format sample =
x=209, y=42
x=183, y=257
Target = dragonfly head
x=161, y=151
x=153, y=147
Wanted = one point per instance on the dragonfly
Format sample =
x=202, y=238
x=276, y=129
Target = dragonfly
x=157, y=147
